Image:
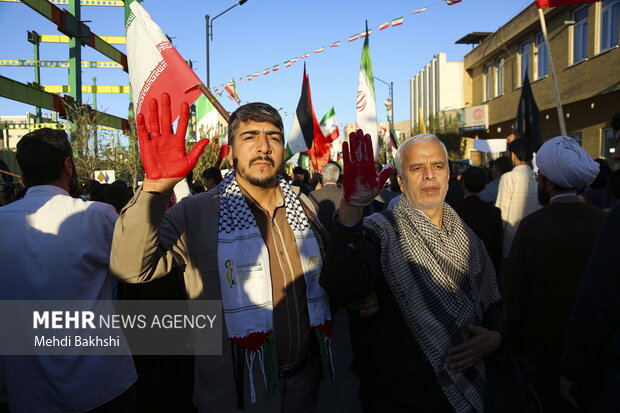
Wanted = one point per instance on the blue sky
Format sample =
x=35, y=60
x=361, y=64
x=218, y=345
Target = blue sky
x=263, y=33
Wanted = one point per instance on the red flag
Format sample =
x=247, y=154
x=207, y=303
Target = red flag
x=543, y=4
x=155, y=66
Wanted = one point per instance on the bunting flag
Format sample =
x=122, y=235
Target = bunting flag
x=329, y=126
x=395, y=22
x=305, y=133
x=275, y=68
x=155, y=66
x=543, y=4
x=231, y=88
x=451, y=2
x=364, y=34
x=366, y=114
x=248, y=77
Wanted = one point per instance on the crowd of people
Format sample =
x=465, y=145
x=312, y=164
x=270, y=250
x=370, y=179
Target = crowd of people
x=445, y=287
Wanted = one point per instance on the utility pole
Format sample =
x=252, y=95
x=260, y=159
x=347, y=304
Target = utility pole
x=33, y=37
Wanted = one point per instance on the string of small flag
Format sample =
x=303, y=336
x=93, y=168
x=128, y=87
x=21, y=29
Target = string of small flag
x=288, y=63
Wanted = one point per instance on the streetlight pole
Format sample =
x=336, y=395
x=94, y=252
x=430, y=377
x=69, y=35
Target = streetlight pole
x=209, y=37
x=391, y=89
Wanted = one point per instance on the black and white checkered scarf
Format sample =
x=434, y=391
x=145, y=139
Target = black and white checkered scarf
x=442, y=280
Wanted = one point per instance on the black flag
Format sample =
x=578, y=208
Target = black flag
x=526, y=124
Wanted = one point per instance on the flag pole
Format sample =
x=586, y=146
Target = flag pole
x=556, y=90
x=214, y=102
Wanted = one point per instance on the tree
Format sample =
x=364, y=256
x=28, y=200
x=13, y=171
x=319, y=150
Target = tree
x=446, y=127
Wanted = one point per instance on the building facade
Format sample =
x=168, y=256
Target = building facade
x=584, y=48
x=437, y=88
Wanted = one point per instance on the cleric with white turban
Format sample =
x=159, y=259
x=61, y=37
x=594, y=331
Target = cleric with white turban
x=565, y=163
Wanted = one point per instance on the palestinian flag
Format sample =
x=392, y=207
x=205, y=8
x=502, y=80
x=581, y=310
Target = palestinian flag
x=366, y=114
x=231, y=88
x=335, y=44
x=329, y=126
x=354, y=37
x=305, y=133
x=155, y=66
x=397, y=22
x=543, y=4
x=384, y=25
x=393, y=138
x=319, y=50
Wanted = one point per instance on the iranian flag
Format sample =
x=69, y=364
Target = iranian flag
x=329, y=126
x=366, y=115
x=543, y=4
x=207, y=119
x=155, y=66
x=231, y=88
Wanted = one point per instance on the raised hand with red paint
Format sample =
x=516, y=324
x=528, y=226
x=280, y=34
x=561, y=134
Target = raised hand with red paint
x=361, y=181
x=162, y=150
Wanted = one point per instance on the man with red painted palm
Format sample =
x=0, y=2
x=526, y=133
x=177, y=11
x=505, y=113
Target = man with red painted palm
x=252, y=244
x=422, y=279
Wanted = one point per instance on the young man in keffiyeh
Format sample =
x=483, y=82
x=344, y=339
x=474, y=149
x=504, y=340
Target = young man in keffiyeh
x=424, y=288
x=251, y=242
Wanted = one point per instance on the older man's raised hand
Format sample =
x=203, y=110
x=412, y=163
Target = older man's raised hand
x=361, y=181
x=163, y=153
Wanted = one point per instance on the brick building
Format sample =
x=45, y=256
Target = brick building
x=586, y=56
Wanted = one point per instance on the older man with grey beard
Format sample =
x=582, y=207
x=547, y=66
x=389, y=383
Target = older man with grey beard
x=429, y=310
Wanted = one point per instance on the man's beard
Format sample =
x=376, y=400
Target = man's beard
x=260, y=182
x=543, y=195
x=74, y=185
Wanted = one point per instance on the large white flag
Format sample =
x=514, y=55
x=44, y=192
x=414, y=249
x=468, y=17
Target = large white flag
x=366, y=115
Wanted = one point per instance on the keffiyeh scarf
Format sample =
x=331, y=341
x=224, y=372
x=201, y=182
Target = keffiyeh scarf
x=442, y=280
x=245, y=279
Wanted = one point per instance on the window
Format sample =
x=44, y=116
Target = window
x=576, y=136
x=525, y=60
x=488, y=83
x=580, y=34
x=499, y=76
x=541, y=57
x=609, y=143
x=610, y=16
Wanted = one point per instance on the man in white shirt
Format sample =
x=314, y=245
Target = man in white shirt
x=61, y=248
x=518, y=194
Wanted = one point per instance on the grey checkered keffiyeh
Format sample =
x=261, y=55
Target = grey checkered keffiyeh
x=442, y=280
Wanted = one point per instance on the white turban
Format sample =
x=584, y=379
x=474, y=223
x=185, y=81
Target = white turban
x=565, y=163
